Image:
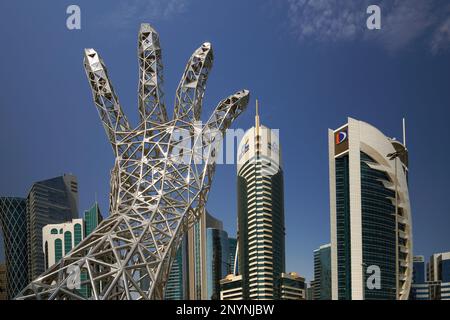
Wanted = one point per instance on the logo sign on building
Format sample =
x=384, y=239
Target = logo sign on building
x=341, y=141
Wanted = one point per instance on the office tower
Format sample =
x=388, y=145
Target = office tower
x=292, y=287
x=419, y=289
x=231, y=288
x=92, y=218
x=202, y=260
x=232, y=258
x=260, y=213
x=3, y=282
x=175, y=287
x=322, y=273
x=217, y=256
x=59, y=239
x=371, y=238
x=438, y=276
x=13, y=222
x=310, y=292
x=49, y=202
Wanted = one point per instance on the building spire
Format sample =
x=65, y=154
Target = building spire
x=404, y=132
x=257, y=124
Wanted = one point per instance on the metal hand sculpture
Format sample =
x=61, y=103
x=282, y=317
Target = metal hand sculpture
x=156, y=194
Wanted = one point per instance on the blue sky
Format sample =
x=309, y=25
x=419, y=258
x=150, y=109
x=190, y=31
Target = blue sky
x=310, y=63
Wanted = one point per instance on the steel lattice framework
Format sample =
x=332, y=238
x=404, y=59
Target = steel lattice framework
x=154, y=196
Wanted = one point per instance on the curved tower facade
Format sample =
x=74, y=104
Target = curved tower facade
x=261, y=233
x=13, y=222
x=371, y=232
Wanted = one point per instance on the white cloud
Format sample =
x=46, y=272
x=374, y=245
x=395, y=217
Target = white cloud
x=133, y=12
x=402, y=22
x=441, y=38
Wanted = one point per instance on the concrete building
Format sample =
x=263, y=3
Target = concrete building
x=59, y=239
x=438, y=276
x=292, y=287
x=231, y=288
x=371, y=231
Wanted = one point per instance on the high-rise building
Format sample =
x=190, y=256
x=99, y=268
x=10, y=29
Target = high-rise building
x=217, y=255
x=371, y=236
x=310, y=291
x=322, y=273
x=50, y=201
x=201, y=262
x=176, y=283
x=438, y=276
x=420, y=289
x=261, y=232
x=3, y=282
x=232, y=256
x=13, y=222
x=292, y=287
x=59, y=239
x=92, y=218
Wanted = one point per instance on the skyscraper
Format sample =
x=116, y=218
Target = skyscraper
x=201, y=261
x=261, y=233
x=419, y=289
x=92, y=218
x=370, y=214
x=438, y=276
x=322, y=273
x=232, y=246
x=217, y=255
x=176, y=284
x=50, y=201
x=59, y=239
x=13, y=222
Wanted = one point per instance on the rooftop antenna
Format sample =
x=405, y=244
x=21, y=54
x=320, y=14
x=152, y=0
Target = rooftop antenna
x=257, y=116
x=404, y=132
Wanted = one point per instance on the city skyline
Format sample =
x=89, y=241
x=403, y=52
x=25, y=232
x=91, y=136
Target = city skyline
x=303, y=107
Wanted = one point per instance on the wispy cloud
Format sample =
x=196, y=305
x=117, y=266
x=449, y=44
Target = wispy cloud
x=403, y=22
x=130, y=13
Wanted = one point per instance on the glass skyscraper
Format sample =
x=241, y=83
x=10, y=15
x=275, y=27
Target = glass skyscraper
x=217, y=257
x=201, y=261
x=92, y=218
x=232, y=246
x=49, y=202
x=370, y=214
x=13, y=222
x=322, y=273
x=261, y=233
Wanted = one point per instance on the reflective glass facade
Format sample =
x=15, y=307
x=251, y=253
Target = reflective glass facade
x=13, y=224
x=217, y=257
x=322, y=273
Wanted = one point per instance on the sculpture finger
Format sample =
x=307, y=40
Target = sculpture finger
x=189, y=95
x=105, y=99
x=151, y=98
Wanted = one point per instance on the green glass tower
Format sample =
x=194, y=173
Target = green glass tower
x=92, y=218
